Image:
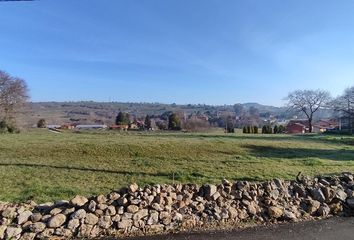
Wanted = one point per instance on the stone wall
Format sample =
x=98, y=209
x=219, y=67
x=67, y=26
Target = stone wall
x=165, y=208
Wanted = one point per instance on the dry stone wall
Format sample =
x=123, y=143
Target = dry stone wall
x=165, y=208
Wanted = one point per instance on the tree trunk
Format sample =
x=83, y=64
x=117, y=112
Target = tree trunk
x=310, y=125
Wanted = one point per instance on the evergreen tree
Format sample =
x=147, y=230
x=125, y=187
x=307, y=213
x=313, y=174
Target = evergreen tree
x=264, y=129
x=244, y=129
x=255, y=129
x=281, y=129
x=123, y=118
x=276, y=129
x=147, y=122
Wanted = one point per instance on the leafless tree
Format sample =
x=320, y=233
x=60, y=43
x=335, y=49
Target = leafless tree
x=308, y=102
x=345, y=105
x=13, y=95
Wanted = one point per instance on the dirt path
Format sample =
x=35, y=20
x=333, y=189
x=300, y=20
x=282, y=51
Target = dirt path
x=331, y=229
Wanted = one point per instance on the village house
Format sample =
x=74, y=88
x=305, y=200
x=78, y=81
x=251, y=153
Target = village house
x=325, y=125
x=297, y=127
x=123, y=127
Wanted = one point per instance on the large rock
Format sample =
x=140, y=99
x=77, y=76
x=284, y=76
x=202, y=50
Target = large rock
x=318, y=195
x=79, y=214
x=105, y=222
x=132, y=209
x=36, y=217
x=91, y=219
x=56, y=221
x=37, y=227
x=73, y=224
x=140, y=214
x=124, y=224
x=79, y=201
x=275, y=212
x=209, y=190
x=133, y=187
x=9, y=213
x=23, y=217
x=13, y=233
x=2, y=231
x=28, y=236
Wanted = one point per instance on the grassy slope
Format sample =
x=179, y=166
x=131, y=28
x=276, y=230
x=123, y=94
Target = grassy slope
x=45, y=166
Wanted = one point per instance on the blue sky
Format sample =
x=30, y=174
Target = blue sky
x=182, y=51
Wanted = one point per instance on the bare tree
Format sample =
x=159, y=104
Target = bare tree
x=345, y=105
x=13, y=95
x=308, y=102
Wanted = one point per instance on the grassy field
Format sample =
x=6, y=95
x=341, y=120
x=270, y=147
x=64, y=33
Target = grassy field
x=44, y=166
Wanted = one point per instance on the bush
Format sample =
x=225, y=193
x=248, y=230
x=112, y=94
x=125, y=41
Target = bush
x=174, y=123
x=255, y=129
x=42, y=123
x=7, y=128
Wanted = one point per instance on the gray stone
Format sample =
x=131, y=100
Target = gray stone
x=2, y=231
x=105, y=222
x=340, y=195
x=111, y=211
x=140, y=214
x=91, y=219
x=318, y=195
x=313, y=206
x=92, y=206
x=55, y=211
x=209, y=190
x=275, y=212
x=79, y=201
x=13, y=233
x=133, y=187
x=73, y=224
x=28, y=236
x=23, y=217
x=124, y=224
x=324, y=210
x=79, y=214
x=9, y=213
x=132, y=209
x=56, y=221
x=37, y=227
x=36, y=217
x=101, y=199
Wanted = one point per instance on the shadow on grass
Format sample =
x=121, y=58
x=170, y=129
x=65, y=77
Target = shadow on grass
x=159, y=174
x=293, y=153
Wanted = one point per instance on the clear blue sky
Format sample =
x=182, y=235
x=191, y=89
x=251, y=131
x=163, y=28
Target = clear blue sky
x=182, y=51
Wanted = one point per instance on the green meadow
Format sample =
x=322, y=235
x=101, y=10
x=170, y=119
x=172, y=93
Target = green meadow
x=43, y=166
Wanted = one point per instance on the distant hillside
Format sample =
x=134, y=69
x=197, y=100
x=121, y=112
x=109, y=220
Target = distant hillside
x=105, y=112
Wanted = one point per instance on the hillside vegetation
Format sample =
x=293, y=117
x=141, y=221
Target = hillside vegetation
x=44, y=166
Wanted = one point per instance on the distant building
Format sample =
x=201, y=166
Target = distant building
x=124, y=127
x=325, y=125
x=297, y=127
x=91, y=127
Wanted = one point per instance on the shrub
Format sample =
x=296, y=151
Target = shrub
x=41, y=123
x=174, y=123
